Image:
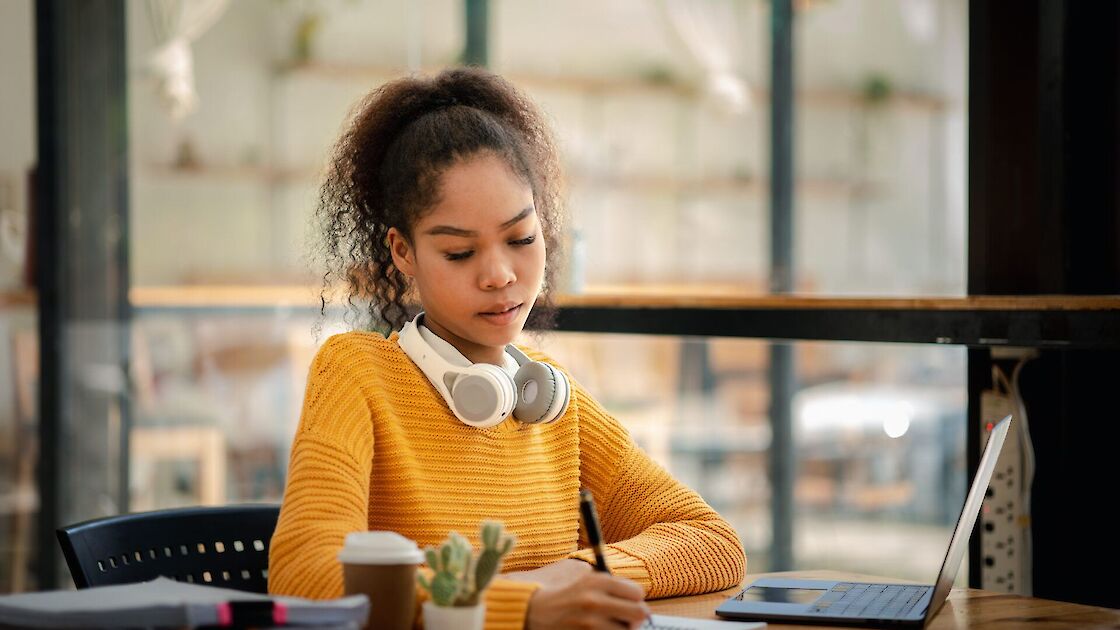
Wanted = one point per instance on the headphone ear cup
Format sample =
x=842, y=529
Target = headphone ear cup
x=542, y=393
x=483, y=395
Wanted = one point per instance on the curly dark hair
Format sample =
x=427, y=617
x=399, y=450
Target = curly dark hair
x=385, y=169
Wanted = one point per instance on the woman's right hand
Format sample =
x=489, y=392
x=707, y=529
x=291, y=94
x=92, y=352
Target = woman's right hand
x=592, y=600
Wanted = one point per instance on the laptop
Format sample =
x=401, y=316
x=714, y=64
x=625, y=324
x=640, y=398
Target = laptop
x=856, y=603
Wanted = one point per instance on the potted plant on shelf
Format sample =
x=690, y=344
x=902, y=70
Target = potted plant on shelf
x=460, y=577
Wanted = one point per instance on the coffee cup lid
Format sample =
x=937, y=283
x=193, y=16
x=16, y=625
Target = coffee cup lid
x=379, y=548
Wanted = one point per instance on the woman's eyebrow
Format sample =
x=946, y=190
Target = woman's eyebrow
x=520, y=215
x=454, y=231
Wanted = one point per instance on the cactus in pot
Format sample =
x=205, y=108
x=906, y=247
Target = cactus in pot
x=495, y=545
x=448, y=565
x=459, y=577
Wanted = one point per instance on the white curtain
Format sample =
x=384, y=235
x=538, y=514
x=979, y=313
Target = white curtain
x=175, y=24
x=708, y=31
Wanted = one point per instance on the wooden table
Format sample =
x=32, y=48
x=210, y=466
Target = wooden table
x=965, y=608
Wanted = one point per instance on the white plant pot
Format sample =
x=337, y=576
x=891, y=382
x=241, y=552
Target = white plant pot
x=454, y=617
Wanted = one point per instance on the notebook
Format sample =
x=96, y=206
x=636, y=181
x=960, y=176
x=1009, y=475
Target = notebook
x=165, y=603
x=667, y=622
x=858, y=603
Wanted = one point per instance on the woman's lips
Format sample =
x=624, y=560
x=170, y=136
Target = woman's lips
x=502, y=318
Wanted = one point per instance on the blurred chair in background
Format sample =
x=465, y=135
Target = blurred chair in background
x=223, y=546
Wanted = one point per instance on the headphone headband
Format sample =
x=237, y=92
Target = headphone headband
x=483, y=395
x=430, y=362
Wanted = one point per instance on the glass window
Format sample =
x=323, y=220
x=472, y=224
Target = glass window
x=878, y=439
x=878, y=428
x=19, y=371
x=880, y=151
x=216, y=402
x=663, y=116
x=662, y=111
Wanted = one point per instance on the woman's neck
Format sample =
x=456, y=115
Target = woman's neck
x=473, y=352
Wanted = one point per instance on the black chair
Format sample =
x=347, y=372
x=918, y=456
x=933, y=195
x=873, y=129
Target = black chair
x=222, y=546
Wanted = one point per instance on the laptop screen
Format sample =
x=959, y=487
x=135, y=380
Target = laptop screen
x=967, y=519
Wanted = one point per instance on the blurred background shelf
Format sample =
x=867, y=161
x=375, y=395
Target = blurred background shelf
x=821, y=187
x=17, y=298
x=653, y=81
x=728, y=310
x=723, y=296
x=212, y=173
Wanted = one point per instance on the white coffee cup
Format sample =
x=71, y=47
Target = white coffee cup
x=382, y=566
x=379, y=548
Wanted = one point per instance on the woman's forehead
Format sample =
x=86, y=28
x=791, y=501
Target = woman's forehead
x=479, y=194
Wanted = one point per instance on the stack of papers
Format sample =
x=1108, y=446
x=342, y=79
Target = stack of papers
x=163, y=603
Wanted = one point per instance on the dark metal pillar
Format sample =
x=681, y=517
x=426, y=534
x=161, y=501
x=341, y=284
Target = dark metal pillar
x=782, y=367
x=1044, y=219
x=82, y=264
x=477, y=49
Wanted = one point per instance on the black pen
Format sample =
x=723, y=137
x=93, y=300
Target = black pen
x=595, y=537
x=591, y=524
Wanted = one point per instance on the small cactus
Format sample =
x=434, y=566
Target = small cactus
x=495, y=546
x=448, y=566
x=459, y=576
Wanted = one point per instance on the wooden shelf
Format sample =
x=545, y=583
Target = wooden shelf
x=810, y=186
x=820, y=97
x=234, y=173
x=224, y=296
x=729, y=296
x=1048, y=321
x=18, y=298
x=728, y=310
x=816, y=187
x=691, y=296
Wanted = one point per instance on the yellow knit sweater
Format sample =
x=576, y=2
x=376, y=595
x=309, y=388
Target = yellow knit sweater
x=377, y=448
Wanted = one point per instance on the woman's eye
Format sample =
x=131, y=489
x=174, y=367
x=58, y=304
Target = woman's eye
x=458, y=255
x=528, y=240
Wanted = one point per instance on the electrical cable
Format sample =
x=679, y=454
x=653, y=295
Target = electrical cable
x=1027, y=477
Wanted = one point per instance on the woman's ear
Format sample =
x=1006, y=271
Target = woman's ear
x=404, y=256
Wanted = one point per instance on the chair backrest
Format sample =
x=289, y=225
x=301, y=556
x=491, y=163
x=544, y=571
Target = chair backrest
x=223, y=546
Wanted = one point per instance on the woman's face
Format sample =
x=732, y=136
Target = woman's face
x=476, y=257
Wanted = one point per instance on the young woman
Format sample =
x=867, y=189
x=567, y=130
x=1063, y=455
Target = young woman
x=444, y=193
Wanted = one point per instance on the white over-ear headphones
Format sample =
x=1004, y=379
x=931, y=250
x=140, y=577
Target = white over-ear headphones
x=483, y=395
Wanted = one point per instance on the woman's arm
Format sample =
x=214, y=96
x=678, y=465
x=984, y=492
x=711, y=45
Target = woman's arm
x=660, y=533
x=327, y=493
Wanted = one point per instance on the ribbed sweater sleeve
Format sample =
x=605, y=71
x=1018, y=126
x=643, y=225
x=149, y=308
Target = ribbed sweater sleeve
x=327, y=495
x=659, y=533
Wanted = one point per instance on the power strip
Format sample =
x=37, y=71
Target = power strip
x=1001, y=535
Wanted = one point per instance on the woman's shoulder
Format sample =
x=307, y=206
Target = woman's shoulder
x=359, y=339
x=357, y=347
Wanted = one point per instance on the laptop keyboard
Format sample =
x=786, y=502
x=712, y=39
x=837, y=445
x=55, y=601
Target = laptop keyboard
x=881, y=601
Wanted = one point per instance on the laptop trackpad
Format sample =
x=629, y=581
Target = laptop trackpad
x=781, y=595
x=775, y=596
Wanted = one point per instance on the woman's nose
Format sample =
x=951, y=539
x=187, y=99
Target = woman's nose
x=497, y=272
